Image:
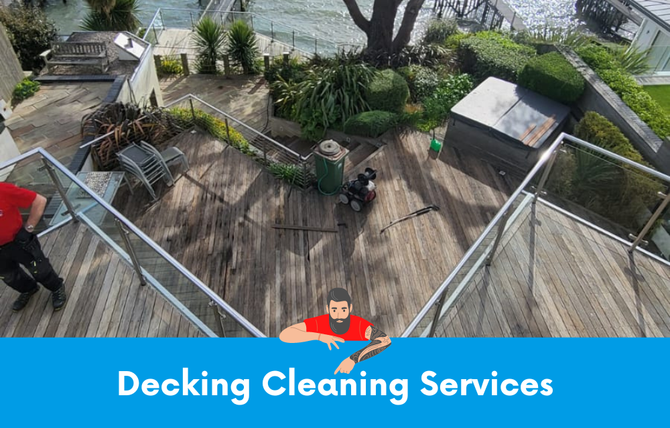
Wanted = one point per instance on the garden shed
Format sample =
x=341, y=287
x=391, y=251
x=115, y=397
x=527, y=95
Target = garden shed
x=505, y=124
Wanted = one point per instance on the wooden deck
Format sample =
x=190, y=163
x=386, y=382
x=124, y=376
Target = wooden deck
x=104, y=296
x=217, y=222
x=556, y=277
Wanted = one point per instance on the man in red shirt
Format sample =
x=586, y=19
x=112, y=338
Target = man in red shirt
x=338, y=325
x=19, y=246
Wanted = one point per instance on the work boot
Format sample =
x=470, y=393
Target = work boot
x=23, y=299
x=59, y=298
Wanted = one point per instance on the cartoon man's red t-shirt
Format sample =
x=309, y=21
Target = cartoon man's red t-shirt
x=321, y=324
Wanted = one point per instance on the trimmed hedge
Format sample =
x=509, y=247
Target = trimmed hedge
x=215, y=126
x=387, y=91
x=422, y=81
x=624, y=85
x=489, y=54
x=597, y=130
x=371, y=123
x=553, y=76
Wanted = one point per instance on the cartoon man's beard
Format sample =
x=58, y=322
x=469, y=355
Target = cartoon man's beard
x=339, y=327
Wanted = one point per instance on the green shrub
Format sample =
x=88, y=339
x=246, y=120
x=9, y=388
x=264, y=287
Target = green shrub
x=170, y=66
x=209, y=38
x=287, y=172
x=553, y=76
x=242, y=46
x=454, y=41
x=25, y=89
x=294, y=71
x=388, y=91
x=30, y=32
x=489, y=54
x=619, y=193
x=371, y=123
x=438, y=106
x=438, y=30
x=605, y=64
x=215, y=126
x=422, y=81
x=119, y=15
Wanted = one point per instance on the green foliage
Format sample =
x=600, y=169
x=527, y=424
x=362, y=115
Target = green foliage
x=119, y=15
x=242, y=46
x=329, y=96
x=489, y=54
x=454, y=41
x=215, y=126
x=438, y=30
x=603, y=62
x=438, y=106
x=294, y=71
x=388, y=91
x=170, y=66
x=25, y=89
x=660, y=93
x=619, y=193
x=422, y=81
x=287, y=172
x=553, y=76
x=551, y=36
x=30, y=32
x=371, y=123
x=630, y=59
x=209, y=39
x=141, y=32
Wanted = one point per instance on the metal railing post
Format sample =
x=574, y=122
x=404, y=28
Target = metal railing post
x=252, y=22
x=219, y=318
x=228, y=131
x=190, y=101
x=293, y=39
x=501, y=230
x=131, y=250
x=651, y=222
x=436, y=318
x=192, y=24
x=272, y=30
x=155, y=35
x=547, y=171
x=61, y=191
x=316, y=46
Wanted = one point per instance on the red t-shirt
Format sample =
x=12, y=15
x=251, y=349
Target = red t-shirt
x=11, y=199
x=321, y=324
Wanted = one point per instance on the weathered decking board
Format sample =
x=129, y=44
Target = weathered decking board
x=104, y=296
x=556, y=277
x=217, y=222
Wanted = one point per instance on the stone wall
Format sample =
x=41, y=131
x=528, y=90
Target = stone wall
x=600, y=98
x=10, y=68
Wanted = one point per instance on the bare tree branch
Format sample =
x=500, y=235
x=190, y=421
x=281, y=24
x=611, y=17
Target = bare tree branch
x=405, y=33
x=357, y=16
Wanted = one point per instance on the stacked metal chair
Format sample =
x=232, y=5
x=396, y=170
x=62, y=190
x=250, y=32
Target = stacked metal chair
x=146, y=165
x=169, y=155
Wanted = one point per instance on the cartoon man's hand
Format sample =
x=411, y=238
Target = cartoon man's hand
x=346, y=366
x=330, y=340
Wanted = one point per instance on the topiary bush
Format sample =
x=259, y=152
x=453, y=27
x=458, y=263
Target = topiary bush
x=553, y=76
x=387, y=91
x=488, y=54
x=30, y=32
x=601, y=60
x=371, y=123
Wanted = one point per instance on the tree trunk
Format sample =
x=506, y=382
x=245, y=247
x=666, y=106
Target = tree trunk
x=380, y=27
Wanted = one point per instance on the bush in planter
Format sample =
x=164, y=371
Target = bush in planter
x=488, y=54
x=242, y=46
x=371, y=123
x=553, y=76
x=387, y=91
x=438, y=106
x=215, y=126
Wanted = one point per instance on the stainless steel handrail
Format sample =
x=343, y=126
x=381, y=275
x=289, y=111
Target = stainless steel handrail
x=211, y=294
x=151, y=24
x=543, y=160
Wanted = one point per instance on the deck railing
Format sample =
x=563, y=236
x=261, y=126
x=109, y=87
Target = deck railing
x=641, y=218
x=39, y=171
x=289, y=165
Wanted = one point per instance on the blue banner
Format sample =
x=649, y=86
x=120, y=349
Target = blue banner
x=253, y=382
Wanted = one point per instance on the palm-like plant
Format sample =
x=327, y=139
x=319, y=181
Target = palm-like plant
x=209, y=39
x=631, y=59
x=112, y=15
x=242, y=46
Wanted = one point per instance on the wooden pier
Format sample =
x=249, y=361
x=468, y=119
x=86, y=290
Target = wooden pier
x=609, y=14
x=490, y=14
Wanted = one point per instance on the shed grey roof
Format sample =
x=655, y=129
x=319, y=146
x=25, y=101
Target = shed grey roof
x=656, y=10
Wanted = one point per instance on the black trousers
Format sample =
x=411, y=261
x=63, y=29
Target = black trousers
x=13, y=255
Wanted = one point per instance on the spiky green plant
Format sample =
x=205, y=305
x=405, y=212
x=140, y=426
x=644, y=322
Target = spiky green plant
x=242, y=46
x=210, y=38
x=631, y=59
x=112, y=15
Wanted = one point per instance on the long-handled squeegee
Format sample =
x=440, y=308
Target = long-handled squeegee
x=417, y=213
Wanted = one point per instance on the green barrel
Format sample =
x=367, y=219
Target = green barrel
x=329, y=158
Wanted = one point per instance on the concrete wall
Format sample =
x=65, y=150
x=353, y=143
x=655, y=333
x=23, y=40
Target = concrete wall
x=8, y=150
x=600, y=98
x=145, y=80
x=10, y=68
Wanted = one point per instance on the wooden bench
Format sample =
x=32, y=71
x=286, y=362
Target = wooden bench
x=77, y=54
